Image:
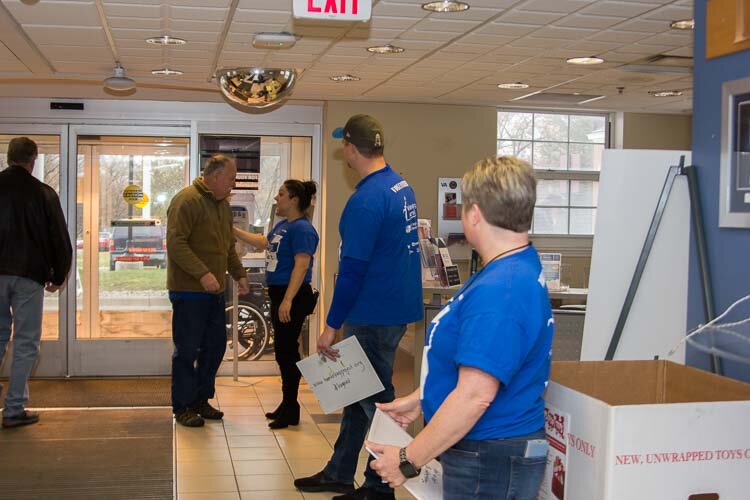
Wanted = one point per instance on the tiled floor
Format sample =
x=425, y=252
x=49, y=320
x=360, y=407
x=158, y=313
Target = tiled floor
x=241, y=458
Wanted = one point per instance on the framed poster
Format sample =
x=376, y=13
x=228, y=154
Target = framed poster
x=735, y=154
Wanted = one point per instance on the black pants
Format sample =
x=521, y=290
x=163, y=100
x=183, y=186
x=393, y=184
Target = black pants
x=199, y=334
x=286, y=337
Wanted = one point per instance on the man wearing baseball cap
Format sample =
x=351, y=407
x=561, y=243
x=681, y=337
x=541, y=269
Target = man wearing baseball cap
x=378, y=292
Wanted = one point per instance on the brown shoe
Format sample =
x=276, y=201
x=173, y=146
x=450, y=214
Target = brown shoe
x=25, y=418
x=189, y=418
x=205, y=410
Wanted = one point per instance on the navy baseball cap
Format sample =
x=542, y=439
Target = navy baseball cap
x=363, y=131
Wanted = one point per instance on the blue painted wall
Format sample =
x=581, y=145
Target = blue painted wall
x=728, y=249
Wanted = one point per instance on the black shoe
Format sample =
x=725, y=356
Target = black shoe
x=25, y=418
x=289, y=416
x=205, y=410
x=273, y=415
x=319, y=482
x=189, y=418
x=368, y=494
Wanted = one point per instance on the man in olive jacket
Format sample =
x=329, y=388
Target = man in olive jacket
x=200, y=251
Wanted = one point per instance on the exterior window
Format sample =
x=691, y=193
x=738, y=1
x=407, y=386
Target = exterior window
x=566, y=153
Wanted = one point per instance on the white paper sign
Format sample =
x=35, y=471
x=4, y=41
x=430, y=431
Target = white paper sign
x=557, y=425
x=429, y=484
x=339, y=383
x=333, y=10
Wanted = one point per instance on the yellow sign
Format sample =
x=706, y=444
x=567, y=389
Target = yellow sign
x=144, y=201
x=132, y=194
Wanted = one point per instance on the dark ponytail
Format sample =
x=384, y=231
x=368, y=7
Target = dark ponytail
x=303, y=191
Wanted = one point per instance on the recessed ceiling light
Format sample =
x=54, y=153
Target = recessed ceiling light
x=165, y=40
x=585, y=60
x=345, y=78
x=446, y=6
x=683, y=24
x=513, y=86
x=274, y=40
x=166, y=72
x=385, y=49
x=665, y=93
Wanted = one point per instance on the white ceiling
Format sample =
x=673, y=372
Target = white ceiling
x=450, y=58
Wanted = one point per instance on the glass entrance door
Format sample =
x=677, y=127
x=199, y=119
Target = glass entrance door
x=125, y=179
x=52, y=151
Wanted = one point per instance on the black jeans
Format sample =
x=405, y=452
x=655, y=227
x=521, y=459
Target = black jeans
x=200, y=339
x=286, y=337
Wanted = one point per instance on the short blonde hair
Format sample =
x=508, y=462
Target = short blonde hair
x=504, y=189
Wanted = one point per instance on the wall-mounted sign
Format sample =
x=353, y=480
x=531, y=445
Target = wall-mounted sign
x=333, y=10
x=735, y=155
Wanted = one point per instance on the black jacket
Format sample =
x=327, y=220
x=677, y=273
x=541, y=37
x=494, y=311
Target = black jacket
x=34, y=241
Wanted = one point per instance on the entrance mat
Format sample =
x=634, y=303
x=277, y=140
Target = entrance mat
x=74, y=454
x=83, y=393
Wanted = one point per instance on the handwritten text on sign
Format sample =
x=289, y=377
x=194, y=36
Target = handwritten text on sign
x=340, y=383
x=333, y=10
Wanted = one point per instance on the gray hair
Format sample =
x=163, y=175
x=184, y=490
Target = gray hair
x=504, y=189
x=216, y=163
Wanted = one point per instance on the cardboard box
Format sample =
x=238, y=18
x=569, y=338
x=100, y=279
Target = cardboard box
x=646, y=430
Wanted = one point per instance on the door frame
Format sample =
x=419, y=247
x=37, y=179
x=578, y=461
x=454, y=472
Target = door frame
x=115, y=357
x=53, y=354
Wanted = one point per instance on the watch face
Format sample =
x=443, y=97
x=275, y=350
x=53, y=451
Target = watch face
x=408, y=470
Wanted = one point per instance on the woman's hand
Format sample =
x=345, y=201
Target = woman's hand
x=285, y=310
x=403, y=410
x=324, y=343
x=387, y=463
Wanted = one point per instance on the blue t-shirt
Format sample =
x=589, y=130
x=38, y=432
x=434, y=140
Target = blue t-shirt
x=379, y=226
x=501, y=324
x=286, y=240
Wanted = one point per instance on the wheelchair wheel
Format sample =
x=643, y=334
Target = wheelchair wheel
x=252, y=332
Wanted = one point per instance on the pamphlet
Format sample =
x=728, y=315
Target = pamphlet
x=429, y=484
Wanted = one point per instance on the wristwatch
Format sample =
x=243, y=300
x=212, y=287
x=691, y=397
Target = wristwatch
x=408, y=469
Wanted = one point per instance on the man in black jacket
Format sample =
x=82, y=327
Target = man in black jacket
x=35, y=253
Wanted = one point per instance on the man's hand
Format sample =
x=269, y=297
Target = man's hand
x=285, y=310
x=403, y=410
x=324, y=343
x=387, y=463
x=211, y=284
x=51, y=287
x=242, y=287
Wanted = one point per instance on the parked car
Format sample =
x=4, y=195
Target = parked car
x=104, y=238
x=138, y=240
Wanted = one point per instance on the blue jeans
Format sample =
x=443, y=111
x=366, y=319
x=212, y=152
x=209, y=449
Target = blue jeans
x=25, y=298
x=200, y=339
x=492, y=469
x=379, y=344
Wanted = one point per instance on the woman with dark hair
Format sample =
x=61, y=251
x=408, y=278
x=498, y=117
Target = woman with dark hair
x=291, y=245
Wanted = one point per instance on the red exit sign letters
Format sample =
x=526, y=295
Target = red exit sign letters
x=333, y=10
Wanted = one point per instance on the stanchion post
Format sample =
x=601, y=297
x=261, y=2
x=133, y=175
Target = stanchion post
x=235, y=332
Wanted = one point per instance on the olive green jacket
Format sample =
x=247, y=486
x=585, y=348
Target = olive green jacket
x=199, y=239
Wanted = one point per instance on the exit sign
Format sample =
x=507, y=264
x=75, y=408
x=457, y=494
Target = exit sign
x=333, y=10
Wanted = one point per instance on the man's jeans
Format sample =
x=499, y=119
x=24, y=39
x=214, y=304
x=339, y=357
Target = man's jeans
x=25, y=298
x=379, y=344
x=492, y=469
x=200, y=338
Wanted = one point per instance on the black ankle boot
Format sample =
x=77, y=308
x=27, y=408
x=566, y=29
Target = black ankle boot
x=289, y=416
x=273, y=415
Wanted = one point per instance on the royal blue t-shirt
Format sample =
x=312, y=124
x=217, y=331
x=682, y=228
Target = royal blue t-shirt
x=501, y=324
x=286, y=240
x=379, y=226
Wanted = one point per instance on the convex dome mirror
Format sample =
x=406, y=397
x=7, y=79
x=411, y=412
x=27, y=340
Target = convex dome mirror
x=256, y=87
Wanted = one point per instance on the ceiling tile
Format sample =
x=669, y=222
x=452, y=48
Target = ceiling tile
x=584, y=21
x=530, y=17
x=54, y=13
x=618, y=9
x=63, y=35
x=557, y=5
